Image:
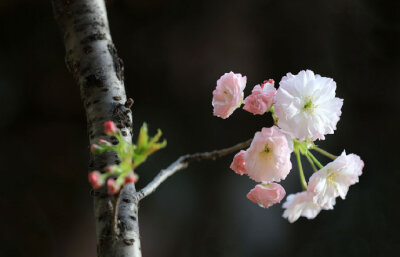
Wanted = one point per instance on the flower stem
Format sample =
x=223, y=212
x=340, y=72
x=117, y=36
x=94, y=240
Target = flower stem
x=272, y=110
x=315, y=160
x=323, y=152
x=311, y=162
x=301, y=174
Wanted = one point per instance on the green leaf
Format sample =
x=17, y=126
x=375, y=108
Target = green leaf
x=143, y=136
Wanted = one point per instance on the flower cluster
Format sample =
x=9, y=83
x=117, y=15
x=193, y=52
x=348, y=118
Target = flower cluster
x=304, y=109
x=130, y=156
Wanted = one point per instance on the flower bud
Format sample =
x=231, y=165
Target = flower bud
x=104, y=142
x=112, y=186
x=110, y=168
x=94, y=148
x=266, y=195
x=131, y=178
x=238, y=164
x=95, y=179
x=110, y=128
x=268, y=82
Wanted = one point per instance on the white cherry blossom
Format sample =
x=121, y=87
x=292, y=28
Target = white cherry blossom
x=334, y=179
x=300, y=204
x=306, y=106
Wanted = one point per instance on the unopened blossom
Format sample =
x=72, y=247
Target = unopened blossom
x=110, y=128
x=306, y=106
x=95, y=179
x=334, y=179
x=94, y=148
x=261, y=98
x=268, y=157
x=300, y=204
x=266, y=195
x=111, y=168
x=131, y=178
x=228, y=94
x=237, y=164
x=104, y=142
x=112, y=186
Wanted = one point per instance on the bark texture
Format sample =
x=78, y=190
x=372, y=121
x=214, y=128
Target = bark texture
x=92, y=59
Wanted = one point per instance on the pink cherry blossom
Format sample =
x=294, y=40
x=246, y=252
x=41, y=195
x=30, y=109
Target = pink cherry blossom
x=266, y=195
x=261, y=98
x=268, y=157
x=228, y=94
x=334, y=179
x=238, y=163
x=300, y=204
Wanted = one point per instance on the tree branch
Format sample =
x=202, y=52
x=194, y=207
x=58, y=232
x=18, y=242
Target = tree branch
x=182, y=162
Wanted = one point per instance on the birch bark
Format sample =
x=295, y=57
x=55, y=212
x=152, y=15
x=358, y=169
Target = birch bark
x=93, y=60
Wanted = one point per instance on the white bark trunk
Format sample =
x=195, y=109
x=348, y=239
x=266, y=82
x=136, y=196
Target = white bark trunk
x=92, y=59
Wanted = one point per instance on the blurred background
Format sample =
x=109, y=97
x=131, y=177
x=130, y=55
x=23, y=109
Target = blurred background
x=174, y=51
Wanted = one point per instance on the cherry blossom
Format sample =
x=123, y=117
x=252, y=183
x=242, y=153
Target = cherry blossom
x=300, y=204
x=228, y=95
x=238, y=165
x=334, y=179
x=268, y=157
x=266, y=195
x=306, y=106
x=261, y=98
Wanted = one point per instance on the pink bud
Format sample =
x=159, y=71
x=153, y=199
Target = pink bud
x=268, y=82
x=110, y=128
x=112, y=186
x=110, y=168
x=131, y=178
x=95, y=179
x=238, y=163
x=266, y=195
x=105, y=142
x=94, y=147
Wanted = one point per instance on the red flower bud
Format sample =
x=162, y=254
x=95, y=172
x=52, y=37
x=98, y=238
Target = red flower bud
x=94, y=147
x=95, y=179
x=131, y=178
x=110, y=128
x=270, y=81
x=112, y=186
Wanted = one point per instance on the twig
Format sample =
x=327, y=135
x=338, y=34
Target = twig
x=182, y=162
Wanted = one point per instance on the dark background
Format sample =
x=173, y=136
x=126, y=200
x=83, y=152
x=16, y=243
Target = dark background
x=174, y=51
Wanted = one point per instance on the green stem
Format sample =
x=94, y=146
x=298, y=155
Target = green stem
x=315, y=160
x=272, y=110
x=301, y=174
x=311, y=162
x=323, y=152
